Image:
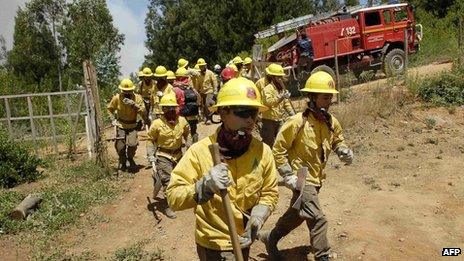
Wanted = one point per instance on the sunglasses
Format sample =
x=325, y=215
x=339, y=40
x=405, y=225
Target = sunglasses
x=245, y=113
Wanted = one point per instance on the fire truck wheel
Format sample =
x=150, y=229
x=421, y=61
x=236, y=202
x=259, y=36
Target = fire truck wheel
x=393, y=63
x=324, y=68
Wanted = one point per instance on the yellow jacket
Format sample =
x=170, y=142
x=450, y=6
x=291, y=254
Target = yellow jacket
x=307, y=147
x=206, y=83
x=269, y=95
x=168, y=137
x=260, y=84
x=145, y=90
x=255, y=182
x=155, y=100
x=126, y=114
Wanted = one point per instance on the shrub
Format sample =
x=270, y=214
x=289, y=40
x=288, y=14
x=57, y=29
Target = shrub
x=17, y=164
x=446, y=89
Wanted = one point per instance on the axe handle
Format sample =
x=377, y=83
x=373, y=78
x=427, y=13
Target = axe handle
x=214, y=148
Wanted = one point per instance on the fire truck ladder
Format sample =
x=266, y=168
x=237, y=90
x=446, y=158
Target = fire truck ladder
x=298, y=22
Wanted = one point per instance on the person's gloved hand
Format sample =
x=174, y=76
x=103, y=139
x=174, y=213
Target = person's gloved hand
x=114, y=122
x=159, y=94
x=216, y=180
x=290, y=182
x=152, y=159
x=284, y=95
x=290, y=179
x=128, y=101
x=259, y=215
x=345, y=155
x=219, y=178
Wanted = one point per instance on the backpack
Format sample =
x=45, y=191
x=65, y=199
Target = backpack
x=190, y=107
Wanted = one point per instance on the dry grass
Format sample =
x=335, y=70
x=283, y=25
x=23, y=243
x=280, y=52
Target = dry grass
x=381, y=101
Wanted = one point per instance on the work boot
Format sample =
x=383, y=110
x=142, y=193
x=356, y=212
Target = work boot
x=132, y=166
x=122, y=164
x=170, y=213
x=323, y=258
x=271, y=245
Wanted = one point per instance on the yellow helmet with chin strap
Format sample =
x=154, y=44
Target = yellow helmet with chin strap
x=201, y=62
x=146, y=72
x=168, y=100
x=126, y=85
x=275, y=70
x=247, y=60
x=237, y=60
x=182, y=72
x=171, y=75
x=182, y=63
x=239, y=92
x=320, y=82
x=161, y=71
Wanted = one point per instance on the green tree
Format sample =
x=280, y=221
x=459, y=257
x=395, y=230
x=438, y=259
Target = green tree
x=214, y=30
x=107, y=67
x=35, y=54
x=87, y=32
x=351, y=2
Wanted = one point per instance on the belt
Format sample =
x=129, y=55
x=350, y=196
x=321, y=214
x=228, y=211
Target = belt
x=127, y=122
x=170, y=151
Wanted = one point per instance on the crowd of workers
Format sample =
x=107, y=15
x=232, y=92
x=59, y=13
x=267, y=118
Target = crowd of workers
x=260, y=137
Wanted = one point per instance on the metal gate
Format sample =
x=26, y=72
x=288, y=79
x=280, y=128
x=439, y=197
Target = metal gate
x=51, y=116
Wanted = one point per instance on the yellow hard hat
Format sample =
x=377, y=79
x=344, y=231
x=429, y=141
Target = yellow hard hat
x=171, y=75
x=320, y=82
x=146, y=72
x=237, y=60
x=126, y=85
x=247, y=60
x=197, y=67
x=201, y=62
x=161, y=71
x=182, y=63
x=239, y=92
x=182, y=72
x=275, y=70
x=168, y=100
x=233, y=67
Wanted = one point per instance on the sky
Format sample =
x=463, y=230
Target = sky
x=128, y=17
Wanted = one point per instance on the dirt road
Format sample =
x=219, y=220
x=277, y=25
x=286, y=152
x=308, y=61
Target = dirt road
x=403, y=198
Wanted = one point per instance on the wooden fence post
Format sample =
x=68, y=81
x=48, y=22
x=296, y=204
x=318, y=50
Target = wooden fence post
x=8, y=117
x=96, y=118
x=52, y=122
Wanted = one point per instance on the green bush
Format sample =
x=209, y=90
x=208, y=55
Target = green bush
x=445, y=89
x=17, y=164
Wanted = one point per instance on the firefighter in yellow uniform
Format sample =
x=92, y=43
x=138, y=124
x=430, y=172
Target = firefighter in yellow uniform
x=145, y=87
x=246, y=72
x=171, y=76
x=238, y=62
x=167, y=135
x=162, y=88
x=206, y=84
x=276, y=97
x=306, y=140
x=123, y=109
x=247, y=171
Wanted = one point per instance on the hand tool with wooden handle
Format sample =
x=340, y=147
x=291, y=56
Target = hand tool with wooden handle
x=214, y=148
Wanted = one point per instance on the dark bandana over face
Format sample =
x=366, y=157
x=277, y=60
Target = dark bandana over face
x=233, y=144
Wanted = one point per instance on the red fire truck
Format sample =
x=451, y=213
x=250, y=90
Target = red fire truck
x=363, y=38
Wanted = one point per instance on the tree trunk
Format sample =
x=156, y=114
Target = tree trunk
x=26, y=207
